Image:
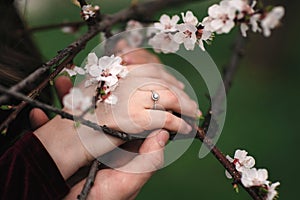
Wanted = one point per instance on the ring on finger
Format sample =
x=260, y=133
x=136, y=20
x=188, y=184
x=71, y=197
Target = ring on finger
x=155, y=97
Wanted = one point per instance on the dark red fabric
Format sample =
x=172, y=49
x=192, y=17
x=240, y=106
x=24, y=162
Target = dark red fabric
x=27, y=171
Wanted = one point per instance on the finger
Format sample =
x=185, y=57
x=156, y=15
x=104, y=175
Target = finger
x=119, y=183
x=154, y=71
x=139, y=56
x=151, y=155
x=63, y=85
x=121, y=155
x=132, y=55
x=37, y=118
x=162, y=119
x=170, y=100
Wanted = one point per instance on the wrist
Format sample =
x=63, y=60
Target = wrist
x=73, y=147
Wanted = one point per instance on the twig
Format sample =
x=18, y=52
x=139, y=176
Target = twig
x=89, y=181
x=201, y=135
x=34, y=93
x=82, y=2
x=228, y=76
x=95, y=126
x=107, y=21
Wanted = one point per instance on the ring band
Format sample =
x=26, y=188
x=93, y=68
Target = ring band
x=155, y=97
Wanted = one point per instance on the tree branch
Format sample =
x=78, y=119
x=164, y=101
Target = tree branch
x=89, y=181
x=228, y=76
x=93, y=125
x=107, y=21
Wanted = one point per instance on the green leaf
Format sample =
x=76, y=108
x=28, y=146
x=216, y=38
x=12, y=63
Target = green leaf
x=5, y=107
x=236, y=188
x=77, y=124
x=4, y=131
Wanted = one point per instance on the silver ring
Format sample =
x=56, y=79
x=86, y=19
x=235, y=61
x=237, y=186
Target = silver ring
x=155, y=97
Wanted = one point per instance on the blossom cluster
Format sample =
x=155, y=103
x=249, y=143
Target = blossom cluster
x=104, y=73
x=170, y=34
x=221, y=19
x=225, y=15
x=252, y=177
x=89, y=11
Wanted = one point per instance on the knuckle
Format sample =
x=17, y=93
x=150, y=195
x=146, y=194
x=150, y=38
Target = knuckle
x=168, y=119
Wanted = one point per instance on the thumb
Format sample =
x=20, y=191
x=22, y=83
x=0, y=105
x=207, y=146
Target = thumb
x=151, y=156
x=37, y=118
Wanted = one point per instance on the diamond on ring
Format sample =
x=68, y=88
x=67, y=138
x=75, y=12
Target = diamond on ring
x=155, y=98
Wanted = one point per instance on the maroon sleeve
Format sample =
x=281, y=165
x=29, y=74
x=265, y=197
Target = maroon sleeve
x=27, y=171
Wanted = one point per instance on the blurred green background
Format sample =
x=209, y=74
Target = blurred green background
x=263, y=110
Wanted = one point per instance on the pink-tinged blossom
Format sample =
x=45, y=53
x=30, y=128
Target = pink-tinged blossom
x=74, y=71
x=88, y=11
x=111, y=99
x=164, y=42
x=108, y=69
x=241, y=160
x=105, y=71
x=253, y=22
x=221, y=18
x=253, y=177
x=272, y=193
x=189, y=18
x=75, y=100
x=134, y=34
x=203, y=36
x=187, y=35
x=271, y=20
x=167, y=24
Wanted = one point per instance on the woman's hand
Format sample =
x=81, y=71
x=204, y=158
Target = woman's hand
x=73, y=147
x=118, y=184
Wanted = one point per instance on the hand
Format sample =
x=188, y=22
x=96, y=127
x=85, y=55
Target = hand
x=134, y=111
x=116, y=184
x=72, y=148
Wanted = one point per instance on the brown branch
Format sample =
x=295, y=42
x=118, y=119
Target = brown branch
x=90, y=179
x=107, y=21
x=34, y=93
x=82, y=2
x=228, y=76
x=93, y=125
x=201, y=135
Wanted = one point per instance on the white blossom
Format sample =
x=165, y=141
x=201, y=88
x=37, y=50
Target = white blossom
x=76, y=70
x=186, y=35
x=108, y=69
x=253, y=177
x=244, y=28
x=164, y=42
x=75, y=100
x=221, y=18
x=272, y=193
x=88, y=11
x=134, y=33
x=189, y=18
x=111, y=99
x=106, y=72
x=241, y=160
x=272, y=20
x=206, y=36
x=167, y=24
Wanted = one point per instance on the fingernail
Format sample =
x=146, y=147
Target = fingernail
x=189, y=129
x=199, y=113
x=126, y=59
x=181, y=85
x=162, y=138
